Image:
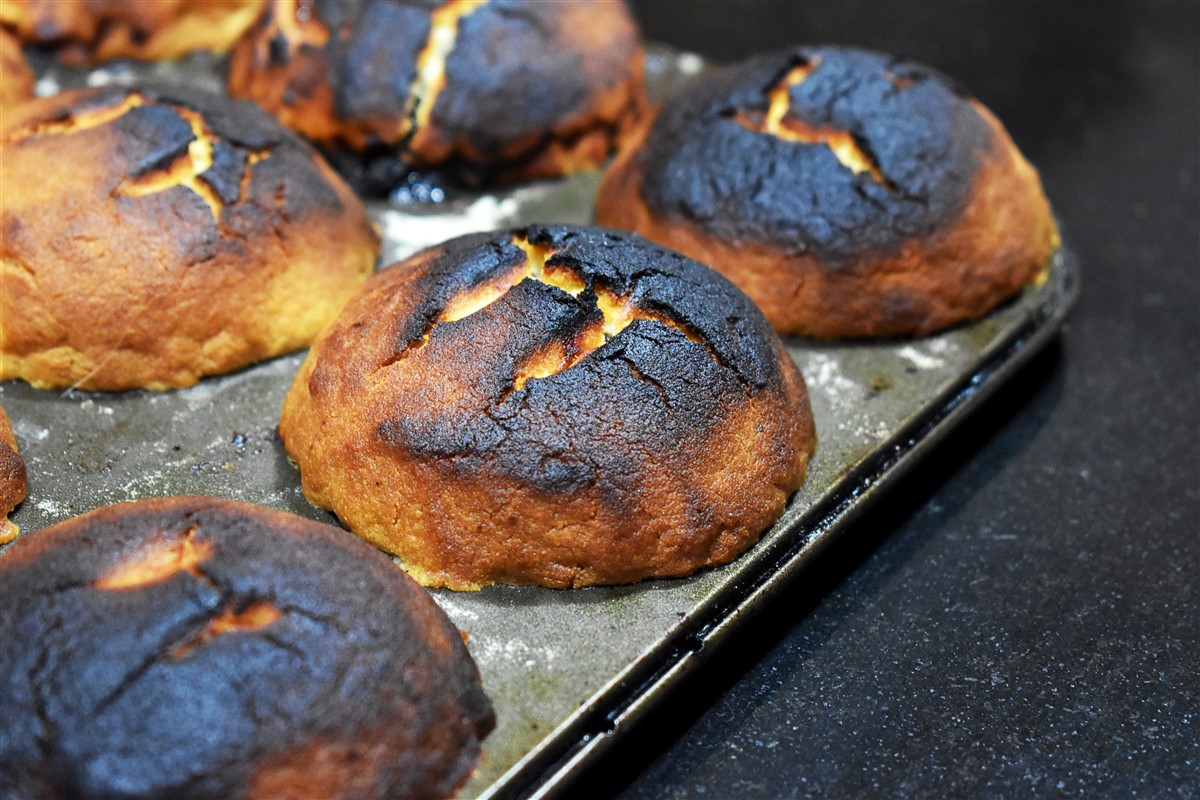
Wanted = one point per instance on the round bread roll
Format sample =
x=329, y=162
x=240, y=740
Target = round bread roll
x=848, y=193
x=12, y=479
x=91, y=31
x=501, y=91
x=155, y=236
x=16, y=78
x=202, y=648
x=555, y=406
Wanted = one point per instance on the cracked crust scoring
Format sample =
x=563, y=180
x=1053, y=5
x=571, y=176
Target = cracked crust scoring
x=92, y=31
x=16, y=78
x=531, y=89
x=515, y=444
x=195, y=647
x=121, y=267
x=949, y=221
x=12, y=479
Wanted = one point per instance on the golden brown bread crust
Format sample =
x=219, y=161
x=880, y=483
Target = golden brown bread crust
x=16, y=78
x=197, y=647
x=12, y=479
x=178, y=234
x=558, y=406
x=91, y=31
x=498, y=91
x=932, y=245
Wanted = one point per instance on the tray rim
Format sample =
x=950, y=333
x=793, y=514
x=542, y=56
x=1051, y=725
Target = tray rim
x=629, y=697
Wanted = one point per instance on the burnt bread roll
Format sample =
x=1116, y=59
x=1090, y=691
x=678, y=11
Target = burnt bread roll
x=12, y=479
x=202, y=648
x=91, y=31
x=154, y=236
x=16, y=78
x=847, y=192
x=556, y=406
x=497, y=91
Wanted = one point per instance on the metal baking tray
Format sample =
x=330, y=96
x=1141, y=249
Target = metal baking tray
x=568, y=671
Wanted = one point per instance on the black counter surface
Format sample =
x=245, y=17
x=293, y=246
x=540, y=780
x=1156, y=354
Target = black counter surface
x=1019, y=616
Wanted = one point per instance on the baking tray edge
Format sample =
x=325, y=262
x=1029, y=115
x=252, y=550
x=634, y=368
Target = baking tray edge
x=585, y=736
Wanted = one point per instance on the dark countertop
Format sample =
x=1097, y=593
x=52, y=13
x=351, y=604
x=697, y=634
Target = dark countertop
x=1019, y=616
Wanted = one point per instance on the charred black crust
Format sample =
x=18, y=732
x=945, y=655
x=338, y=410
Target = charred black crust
x=701, y=165
x=374, y=63
x=278, y=51
x=657, y=279
x=465, y=262
x=98, y=702
x=225, y=174
x=385, y=43
x=492, y=103
x=154, y=134
x=511, y=77
x=240, y=122
x=650, y=388
x=557, y=434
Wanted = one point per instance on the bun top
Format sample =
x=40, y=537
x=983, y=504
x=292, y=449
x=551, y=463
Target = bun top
x=826, y=150
x=584, y=345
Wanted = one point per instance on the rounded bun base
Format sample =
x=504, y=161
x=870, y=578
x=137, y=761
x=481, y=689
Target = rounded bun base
x=196, y=647
x=553, y=406
x=179, y=234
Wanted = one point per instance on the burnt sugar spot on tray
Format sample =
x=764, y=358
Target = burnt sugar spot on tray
x=825, y=150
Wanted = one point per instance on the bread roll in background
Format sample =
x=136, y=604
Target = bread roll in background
x=847, y=192
x=155, y=236
x=93, y=31
x=486, y=92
